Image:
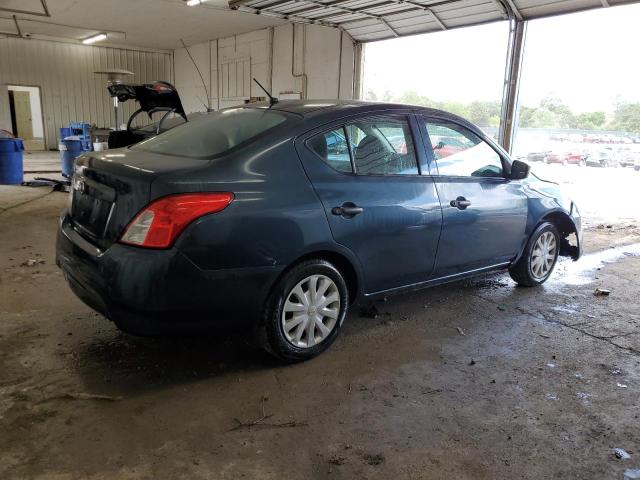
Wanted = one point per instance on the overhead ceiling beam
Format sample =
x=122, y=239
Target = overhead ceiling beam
x=506, y=8
x=436, y=19
x=43, y=13
x=15, y=20
x=515, y=10
x=393, y=30
x=284, y=16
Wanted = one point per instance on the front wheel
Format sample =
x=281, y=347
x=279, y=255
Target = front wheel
x=305, y=311
x=539, y=257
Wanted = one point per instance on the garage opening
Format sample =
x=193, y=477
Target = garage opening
x=577, y=106
x=459, y=71
x=578, y=121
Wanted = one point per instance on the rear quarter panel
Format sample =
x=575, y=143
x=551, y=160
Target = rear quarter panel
x=274, y=218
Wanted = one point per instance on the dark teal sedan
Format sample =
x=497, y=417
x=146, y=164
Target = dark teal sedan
x=276, y=218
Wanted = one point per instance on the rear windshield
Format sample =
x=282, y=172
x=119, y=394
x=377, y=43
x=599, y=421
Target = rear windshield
x=215, y=133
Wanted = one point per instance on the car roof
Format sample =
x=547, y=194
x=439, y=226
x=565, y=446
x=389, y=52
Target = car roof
x=329, y=108
x=318, y=112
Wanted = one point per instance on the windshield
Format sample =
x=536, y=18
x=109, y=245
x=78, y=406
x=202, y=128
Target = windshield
x=215, y=133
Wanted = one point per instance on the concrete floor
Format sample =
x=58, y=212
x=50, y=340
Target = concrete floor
x=473, y=380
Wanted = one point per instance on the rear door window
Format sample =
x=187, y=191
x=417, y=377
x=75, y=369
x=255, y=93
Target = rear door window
x=332, y=147
x=215, y=133
x=382, y=146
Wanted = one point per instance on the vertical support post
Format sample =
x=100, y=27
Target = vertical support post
x=358, y=71
x=511, y=89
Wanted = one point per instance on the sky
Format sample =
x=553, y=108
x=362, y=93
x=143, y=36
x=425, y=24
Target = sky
x=587, y=59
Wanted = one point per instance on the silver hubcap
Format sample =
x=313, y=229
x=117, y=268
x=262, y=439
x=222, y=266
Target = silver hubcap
x=543, y=255
x=311, y=311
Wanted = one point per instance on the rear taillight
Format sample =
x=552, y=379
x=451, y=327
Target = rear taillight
x=160, y=223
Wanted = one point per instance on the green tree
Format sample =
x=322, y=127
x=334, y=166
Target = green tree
x=589, y=120
x=626, y=117
x=484, y=114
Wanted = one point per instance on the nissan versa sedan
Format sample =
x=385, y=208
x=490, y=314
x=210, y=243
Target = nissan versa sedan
x=277, y=218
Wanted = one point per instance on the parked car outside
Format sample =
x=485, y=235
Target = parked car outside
x=254, y=218
x=446, y=145
x=601, y=158
x=629, y=156
x=566, y=157
x=538, y=156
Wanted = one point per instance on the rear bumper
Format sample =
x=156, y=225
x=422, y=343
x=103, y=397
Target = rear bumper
x=151, y=292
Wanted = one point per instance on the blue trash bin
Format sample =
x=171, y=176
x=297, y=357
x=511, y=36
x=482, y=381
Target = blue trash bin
x=11, y=171
x=65, y=132
x=70, y=148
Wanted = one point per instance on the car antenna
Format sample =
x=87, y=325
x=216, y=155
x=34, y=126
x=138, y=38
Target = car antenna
x=272, y=100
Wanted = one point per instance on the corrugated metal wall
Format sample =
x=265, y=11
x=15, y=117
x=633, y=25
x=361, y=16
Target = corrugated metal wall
x=69, y=88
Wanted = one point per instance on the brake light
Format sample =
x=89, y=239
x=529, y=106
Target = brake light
x=163, y=220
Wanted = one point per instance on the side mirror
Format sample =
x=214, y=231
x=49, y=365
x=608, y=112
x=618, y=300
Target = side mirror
x=519, y=170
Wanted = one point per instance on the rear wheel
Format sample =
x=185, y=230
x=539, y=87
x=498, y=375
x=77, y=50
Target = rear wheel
x=539, y=257
x=305, y=311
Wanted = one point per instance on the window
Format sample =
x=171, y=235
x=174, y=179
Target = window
x=332, y=147
x=461, y=153
x=382, y=146
x=214, y=133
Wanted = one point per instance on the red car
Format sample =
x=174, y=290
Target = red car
x=446, y=146
x=566, y=158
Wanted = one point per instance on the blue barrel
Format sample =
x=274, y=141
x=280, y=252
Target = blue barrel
x=65, y=132
x=70, y=148
x=11, y=172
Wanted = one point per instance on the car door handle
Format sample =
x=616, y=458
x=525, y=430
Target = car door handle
x=460, y=203
x=347, y=210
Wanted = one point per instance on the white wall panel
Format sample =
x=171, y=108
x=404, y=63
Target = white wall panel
x=190, y=86
x=325, y=56
x=70, y=90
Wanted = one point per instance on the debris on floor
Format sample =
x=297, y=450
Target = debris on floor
x=621, y=454
x=602, y=292
x=632, y=474
x=57, y=185
x=374, y=460
x=32, y=262
x=337, y=460
x=502, y=307
x=90, y=396
x=460, y=331
x=369, y=311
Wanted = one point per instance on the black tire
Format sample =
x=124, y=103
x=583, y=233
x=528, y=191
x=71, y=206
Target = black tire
x=271, y=334
x=521, y=271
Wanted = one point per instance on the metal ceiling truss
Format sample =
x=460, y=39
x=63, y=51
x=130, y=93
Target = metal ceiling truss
x=347, y=14
x=43, y=13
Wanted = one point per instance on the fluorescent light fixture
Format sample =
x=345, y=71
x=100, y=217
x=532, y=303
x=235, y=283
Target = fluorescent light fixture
x=95, y=38
x=193, y=3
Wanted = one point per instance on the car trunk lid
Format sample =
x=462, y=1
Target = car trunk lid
x=109, y=188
